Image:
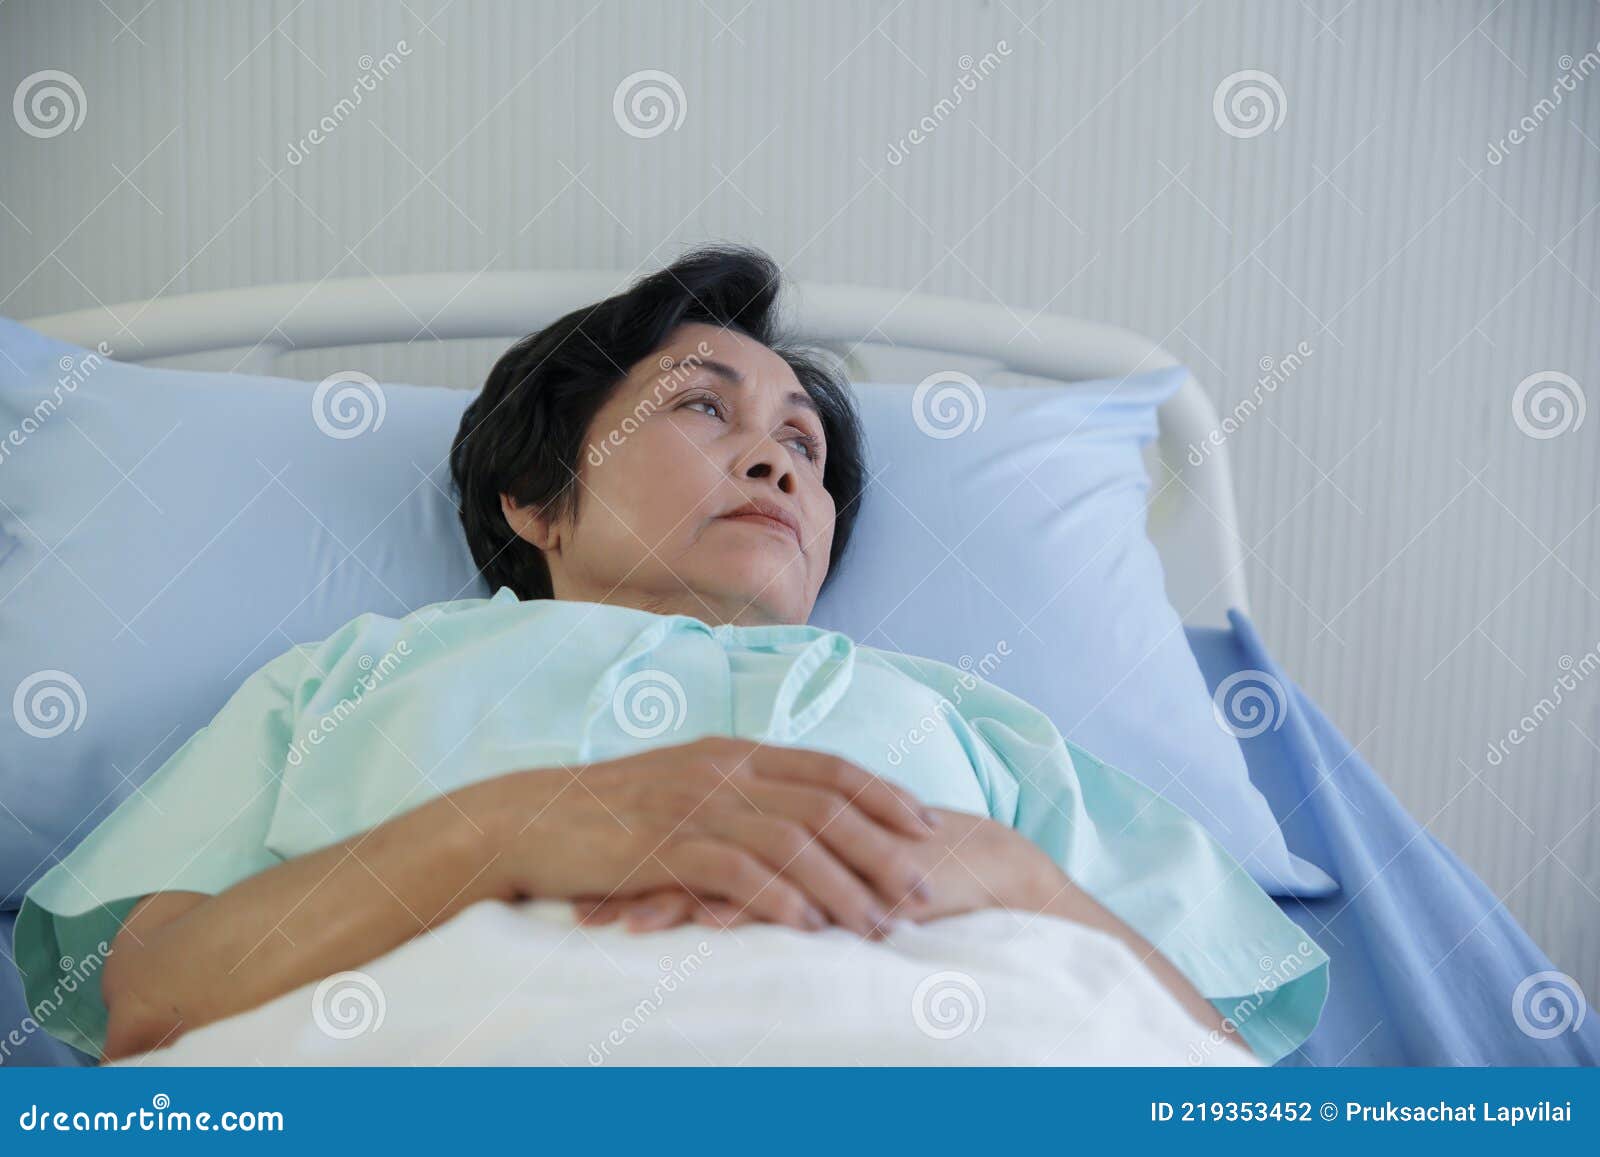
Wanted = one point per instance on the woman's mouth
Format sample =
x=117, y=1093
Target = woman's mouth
x=757, y=519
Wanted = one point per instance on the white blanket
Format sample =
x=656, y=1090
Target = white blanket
x=523, y=985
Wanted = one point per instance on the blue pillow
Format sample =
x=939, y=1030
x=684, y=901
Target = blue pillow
x=164, y=533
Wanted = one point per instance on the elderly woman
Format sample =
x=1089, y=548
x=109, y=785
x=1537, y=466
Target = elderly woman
x=638, y=720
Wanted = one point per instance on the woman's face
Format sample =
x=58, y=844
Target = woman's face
x=699, y=489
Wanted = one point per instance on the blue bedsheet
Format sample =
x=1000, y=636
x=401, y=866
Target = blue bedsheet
x=1426, y=962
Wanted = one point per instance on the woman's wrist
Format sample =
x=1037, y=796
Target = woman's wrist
x=488, y=818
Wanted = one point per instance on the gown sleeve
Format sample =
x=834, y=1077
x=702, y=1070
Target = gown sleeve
x=197, y=825
x=1144, y=859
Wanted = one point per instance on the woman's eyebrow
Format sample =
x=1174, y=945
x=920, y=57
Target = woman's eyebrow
x=734, y=376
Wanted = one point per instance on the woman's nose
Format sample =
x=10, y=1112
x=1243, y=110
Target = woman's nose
x=770, y=461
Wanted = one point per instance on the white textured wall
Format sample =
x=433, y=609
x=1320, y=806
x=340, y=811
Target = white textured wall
x=1421, y=563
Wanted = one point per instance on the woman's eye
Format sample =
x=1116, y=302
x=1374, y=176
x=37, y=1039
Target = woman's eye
x=704, y=405
x=809, y=446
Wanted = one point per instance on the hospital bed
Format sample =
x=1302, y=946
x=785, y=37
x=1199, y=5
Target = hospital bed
x=1403, y=991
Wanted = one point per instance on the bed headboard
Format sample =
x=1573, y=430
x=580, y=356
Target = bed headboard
x=1193, y=519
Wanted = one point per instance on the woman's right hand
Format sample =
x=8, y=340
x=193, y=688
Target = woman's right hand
x=787, y=835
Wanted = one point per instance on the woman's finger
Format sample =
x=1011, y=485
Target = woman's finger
x=713, y=868
x=885, y=860
x=801, y=857
x=887, y=803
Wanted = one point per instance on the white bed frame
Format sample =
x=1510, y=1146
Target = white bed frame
x=1193, y=518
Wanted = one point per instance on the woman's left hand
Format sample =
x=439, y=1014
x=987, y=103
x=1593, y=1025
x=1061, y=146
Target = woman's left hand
x=970, y=862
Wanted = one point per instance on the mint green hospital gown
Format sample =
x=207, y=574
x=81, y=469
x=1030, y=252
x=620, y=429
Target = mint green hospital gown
x=333, y=738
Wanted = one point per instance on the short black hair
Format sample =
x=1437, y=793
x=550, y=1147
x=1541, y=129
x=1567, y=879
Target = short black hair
x=523, y=434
